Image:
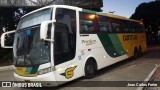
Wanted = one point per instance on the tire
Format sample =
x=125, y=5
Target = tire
x=90, y=69
x=140, y=52
x=136, y=54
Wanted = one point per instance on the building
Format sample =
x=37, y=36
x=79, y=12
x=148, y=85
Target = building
x=89, y=4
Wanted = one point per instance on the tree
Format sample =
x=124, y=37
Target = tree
x=9, y=18
x=149, y=13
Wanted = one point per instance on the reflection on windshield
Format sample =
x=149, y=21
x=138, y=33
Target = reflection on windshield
x=35, y=18
x=28, y=49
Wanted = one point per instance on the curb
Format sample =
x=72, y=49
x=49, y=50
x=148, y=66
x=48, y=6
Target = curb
x=4, y=68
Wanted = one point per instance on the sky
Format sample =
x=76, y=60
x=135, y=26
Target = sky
x=122, y=7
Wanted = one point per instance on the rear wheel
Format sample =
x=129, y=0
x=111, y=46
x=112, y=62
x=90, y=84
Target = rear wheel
x=90, y=69
x=135, y=54
x=140, y=52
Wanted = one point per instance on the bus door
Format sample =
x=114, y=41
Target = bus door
x=65, y=59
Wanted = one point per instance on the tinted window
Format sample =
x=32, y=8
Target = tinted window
x=68, y=17
x=140, y=27
x=61, y=45
x=104, y=24
x=116, y=25
x=65, y=35
x=88, y=23
x=125, y=26
x=132, y=27
x=136, y=27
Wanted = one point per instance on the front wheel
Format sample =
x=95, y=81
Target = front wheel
x=90, y=69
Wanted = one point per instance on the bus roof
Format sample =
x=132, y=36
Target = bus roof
x=117, y=16
x=85, y=10
x=50, y=6
x=110, y=15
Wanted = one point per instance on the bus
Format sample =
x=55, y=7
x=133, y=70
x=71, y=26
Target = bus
x=62, y=43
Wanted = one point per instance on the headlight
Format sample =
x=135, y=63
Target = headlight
x=44, y=71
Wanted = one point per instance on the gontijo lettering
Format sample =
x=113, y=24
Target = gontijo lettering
x=129, y=37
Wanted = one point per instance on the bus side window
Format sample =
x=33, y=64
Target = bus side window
x=116, y=25
x=68, y=17
x=133, y=27
x=140, y=27
x=125, y=26
x=137, y=28
x=104, y=24
x=88, y=23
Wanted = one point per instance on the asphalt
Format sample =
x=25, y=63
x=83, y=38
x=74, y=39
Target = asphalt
x=135, y=73
x=145, y=68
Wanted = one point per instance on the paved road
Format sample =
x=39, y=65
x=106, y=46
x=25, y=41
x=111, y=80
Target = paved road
x=128, y=70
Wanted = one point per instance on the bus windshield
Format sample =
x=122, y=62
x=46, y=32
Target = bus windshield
x=28, y=49
x=35, y=18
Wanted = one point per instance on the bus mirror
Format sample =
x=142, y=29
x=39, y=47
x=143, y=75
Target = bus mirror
x=4, y=38
x=44, y=30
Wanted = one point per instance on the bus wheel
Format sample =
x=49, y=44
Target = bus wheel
x=135, y=54
x=140, y=52
x=90, y=69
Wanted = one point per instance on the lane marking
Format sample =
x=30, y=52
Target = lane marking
x=149, y=76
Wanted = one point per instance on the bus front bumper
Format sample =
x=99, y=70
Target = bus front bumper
x=47, y=80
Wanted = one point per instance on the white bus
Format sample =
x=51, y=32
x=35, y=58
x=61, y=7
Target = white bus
x=62, y=43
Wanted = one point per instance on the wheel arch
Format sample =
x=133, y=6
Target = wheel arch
x=86, y=60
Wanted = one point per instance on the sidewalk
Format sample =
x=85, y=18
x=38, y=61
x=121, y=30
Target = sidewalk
x=4, y=68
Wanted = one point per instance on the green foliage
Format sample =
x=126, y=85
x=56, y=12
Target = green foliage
x=149, y=13
x=8, y=22
x=5, y=54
